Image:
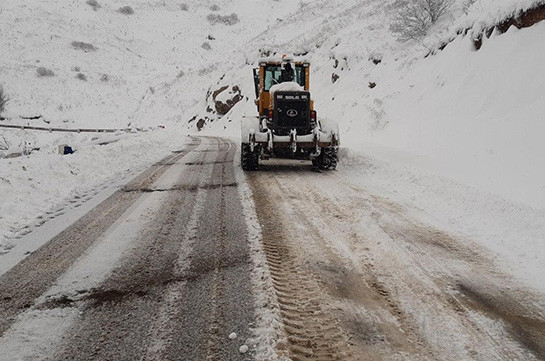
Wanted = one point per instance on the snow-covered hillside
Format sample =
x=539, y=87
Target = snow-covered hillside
x=469, y=117
x=123, y=59
x=473, y=116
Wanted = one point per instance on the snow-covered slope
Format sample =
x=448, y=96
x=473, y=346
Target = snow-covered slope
x=124, y=59
x=473, y=116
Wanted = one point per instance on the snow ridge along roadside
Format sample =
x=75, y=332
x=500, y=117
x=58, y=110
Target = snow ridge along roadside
x=269, y=336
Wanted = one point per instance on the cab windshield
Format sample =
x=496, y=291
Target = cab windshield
x=273, y=75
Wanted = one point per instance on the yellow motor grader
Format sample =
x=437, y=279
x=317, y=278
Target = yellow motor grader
x=287, y=125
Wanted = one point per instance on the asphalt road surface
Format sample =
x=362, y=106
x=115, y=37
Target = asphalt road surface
x=163, y=270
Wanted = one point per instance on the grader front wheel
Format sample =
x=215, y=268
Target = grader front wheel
x=327, y=160
x=249, y=159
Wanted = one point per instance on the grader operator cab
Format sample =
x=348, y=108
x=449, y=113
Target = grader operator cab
x=287, y=125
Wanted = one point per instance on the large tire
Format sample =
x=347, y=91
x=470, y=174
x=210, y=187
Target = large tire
x=249, y=160
x=327, y=160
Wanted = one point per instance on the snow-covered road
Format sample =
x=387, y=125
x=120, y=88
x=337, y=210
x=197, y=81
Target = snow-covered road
x=158, y=270
x=371, y=274
x=194, y=260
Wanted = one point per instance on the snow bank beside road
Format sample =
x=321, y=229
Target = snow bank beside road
x=38, y=187
x=476, y=116
x=514, y=232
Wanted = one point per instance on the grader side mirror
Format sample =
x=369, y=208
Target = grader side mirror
x=257, y=82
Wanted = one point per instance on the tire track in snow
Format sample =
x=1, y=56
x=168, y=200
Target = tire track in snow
x=443, y=260
x=439, y=262
x=217, y=298
x=269, y=337
x=341, y=280
x=312, y=332
x=424, y=279
x=397, y=287
x=161, y=334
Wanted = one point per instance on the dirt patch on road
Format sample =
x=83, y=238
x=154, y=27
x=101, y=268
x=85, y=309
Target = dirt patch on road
x=185, y=188
x=393, y=331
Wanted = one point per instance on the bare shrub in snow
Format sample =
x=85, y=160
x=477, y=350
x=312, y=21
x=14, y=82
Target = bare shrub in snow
x=410, y=23
x=125, y=10
x=435, y=8
x=214, y=7
x=104, y=78
x=223, y=19
x=4, y=99
x=413, y=19
x=4, y=143
x=42, y=72
x=81, y=76
x=86, y=47
x=94, y=4
x=180, y=74
x=206, y=46
x=184, y=7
